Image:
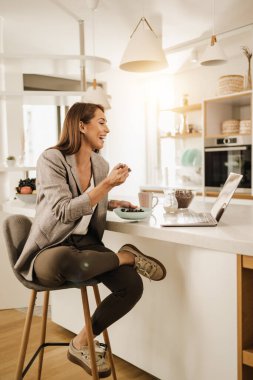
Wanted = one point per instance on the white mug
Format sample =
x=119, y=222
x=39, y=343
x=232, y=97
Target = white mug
x=147, y=199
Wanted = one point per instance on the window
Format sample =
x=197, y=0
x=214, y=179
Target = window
x=40, y=130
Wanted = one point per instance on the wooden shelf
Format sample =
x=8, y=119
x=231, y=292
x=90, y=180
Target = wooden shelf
x=184, y=109
x=181, y=136
x=247, y=357
x=237, y=98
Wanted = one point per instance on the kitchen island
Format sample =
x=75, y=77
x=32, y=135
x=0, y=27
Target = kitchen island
x=197, y=323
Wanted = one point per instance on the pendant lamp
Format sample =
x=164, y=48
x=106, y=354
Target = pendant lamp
x=95, y=94
x=144, y=51
x=213, y=54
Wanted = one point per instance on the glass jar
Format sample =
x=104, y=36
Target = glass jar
x=170, y=203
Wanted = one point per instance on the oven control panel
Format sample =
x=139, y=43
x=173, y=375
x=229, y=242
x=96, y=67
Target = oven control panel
x=228, y=140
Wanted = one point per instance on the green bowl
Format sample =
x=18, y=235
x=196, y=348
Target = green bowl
x=134, y=215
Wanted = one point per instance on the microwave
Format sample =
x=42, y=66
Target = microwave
x=225, y=155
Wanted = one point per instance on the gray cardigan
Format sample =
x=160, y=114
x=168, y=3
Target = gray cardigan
x=60, y=205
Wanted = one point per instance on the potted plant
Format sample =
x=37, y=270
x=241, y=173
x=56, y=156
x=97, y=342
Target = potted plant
x=11, y=161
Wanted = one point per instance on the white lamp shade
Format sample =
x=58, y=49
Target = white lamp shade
x=97, y=96
x=213, y=55
x=144, y=52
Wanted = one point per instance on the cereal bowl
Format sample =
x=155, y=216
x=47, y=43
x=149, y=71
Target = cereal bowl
x=133, y=214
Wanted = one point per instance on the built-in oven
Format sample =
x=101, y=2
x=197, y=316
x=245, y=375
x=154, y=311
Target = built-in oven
x=225, y=155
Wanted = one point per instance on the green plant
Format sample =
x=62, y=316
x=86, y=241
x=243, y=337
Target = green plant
x=10, y=158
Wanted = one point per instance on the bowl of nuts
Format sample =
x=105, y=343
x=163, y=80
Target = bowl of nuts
x=184, y=197
x=133, y=213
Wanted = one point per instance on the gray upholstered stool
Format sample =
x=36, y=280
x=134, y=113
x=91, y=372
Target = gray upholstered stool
x=16, y=229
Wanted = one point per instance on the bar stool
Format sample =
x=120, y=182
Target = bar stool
x=15, y=230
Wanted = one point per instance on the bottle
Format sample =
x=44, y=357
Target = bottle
x=170, y=203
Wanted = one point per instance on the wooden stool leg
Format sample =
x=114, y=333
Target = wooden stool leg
x=25, y=336
x=90, y=337
x=105, y=334
x=43, y=331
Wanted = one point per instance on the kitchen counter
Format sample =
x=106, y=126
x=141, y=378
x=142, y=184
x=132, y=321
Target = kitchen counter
x=233, y=233
x=192, y=324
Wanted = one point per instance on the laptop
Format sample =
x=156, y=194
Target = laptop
x=189, y=218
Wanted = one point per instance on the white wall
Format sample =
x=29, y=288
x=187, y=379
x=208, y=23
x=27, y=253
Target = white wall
x=126, y=120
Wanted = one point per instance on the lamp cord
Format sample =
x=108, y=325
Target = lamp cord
x=93, y=43
x=213, y=11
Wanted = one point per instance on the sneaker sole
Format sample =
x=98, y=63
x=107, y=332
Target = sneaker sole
x=151, y=258
x=79, y=362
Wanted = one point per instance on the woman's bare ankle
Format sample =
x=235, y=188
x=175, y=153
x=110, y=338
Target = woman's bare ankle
x=125, y=258
x=78, y=343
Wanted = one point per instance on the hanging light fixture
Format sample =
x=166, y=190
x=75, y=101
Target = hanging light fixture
x=95, y=93
x=144, y=51
x=213, y=54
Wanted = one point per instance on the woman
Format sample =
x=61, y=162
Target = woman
x=65, y=242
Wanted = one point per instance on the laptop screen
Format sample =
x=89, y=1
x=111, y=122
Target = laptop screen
x=225, y=195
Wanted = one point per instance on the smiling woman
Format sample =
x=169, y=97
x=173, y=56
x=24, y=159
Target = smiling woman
x=65, y=241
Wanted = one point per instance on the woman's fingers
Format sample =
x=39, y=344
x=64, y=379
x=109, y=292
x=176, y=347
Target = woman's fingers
x=122, y=166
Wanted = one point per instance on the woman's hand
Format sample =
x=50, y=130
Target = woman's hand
x=118, y=175
x=115, y=203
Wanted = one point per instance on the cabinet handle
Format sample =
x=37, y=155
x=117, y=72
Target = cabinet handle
x=225, y=149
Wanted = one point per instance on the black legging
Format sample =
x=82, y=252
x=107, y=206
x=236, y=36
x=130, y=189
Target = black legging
x=76, y=261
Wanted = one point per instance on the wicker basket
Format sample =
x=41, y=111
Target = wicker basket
x=230, y=126
x=245, y=126
x=230, y=83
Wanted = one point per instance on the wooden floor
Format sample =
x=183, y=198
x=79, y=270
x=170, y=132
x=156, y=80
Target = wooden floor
x=56, y=365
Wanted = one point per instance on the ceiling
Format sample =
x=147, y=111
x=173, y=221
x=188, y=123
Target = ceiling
x=51, y=26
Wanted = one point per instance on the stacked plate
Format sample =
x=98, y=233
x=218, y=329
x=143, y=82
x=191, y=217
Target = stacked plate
x=230, y=126
x=245, y=127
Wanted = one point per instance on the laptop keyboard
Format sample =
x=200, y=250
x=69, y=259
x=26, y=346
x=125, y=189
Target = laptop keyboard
x=199, y=217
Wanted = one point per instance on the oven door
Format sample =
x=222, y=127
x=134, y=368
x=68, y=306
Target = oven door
x=220, y=161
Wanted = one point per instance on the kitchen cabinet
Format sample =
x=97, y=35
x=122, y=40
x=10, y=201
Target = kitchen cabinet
x=228, y=107
x=226, y=152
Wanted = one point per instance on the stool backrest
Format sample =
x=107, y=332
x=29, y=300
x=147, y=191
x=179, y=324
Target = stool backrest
x=15, y=230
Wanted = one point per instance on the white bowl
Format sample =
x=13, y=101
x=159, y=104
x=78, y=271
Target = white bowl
x=133, y=215
x=27, y=198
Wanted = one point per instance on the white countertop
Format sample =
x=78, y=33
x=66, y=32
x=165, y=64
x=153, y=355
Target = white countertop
x=234, y=233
